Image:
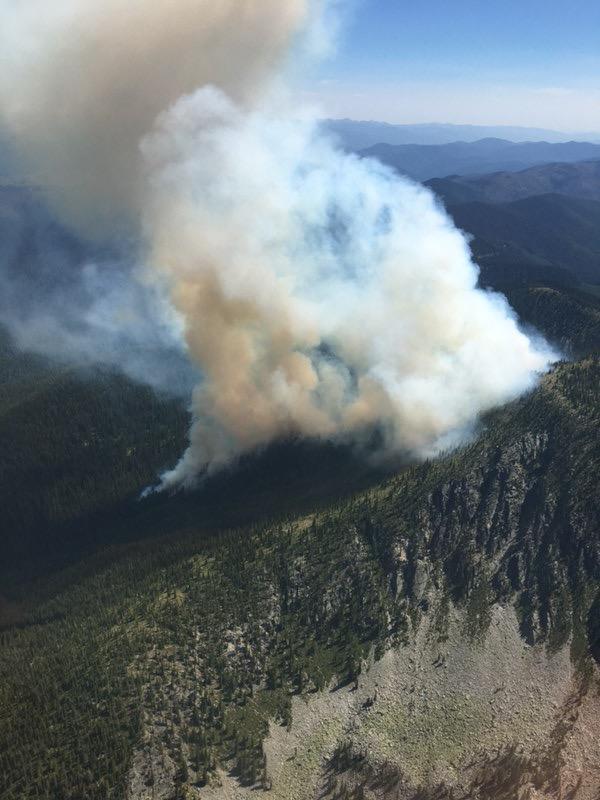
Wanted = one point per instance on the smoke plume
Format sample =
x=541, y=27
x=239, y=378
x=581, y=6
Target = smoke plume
x=321, y=295
x=84, y=305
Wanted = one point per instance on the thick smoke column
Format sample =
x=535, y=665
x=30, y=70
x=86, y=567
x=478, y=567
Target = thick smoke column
x=82, y=81
x=321, y=294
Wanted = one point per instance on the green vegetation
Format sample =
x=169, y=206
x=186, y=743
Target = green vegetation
x=569, y=317
x=562, y=230
x=73, y=447
x=182, y=649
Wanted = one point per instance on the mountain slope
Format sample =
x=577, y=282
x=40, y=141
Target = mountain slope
x=568, y=317
x=581, y=179
x=302, y=623
x=112, y=437
x=193, y=649
x=79, y=447
x=74, y=444
x=563, y=230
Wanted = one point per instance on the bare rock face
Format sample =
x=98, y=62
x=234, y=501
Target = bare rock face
x=495, y=719
x=153, y=773
x=460, y=603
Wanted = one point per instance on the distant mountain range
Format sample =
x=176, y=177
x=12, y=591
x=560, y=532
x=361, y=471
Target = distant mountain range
x=357, y=135
x=423, y=162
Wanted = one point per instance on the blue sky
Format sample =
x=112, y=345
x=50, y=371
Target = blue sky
x=528, y=62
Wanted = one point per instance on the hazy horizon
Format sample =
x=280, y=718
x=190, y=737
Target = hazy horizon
x=465, y=63
x=430, y=123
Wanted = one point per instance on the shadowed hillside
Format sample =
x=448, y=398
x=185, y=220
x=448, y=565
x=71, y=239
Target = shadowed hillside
x=79, y=448
x=581, y=179
x=190, y=646
x=565, y=231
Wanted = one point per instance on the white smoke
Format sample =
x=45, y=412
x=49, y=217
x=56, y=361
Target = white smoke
x=321, y=294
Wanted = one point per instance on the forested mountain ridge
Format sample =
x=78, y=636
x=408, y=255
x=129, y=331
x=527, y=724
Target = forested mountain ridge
x=74, y=444
x=190, y=646
x=568, y=316
x=80, y=446
x=560, y=230
x=579, y=179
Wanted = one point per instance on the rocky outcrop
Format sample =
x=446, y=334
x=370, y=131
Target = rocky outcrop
x=433, y=636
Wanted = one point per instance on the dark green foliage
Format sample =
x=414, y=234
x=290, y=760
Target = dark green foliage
x=205, y=636
x=74, y=446
x=561, y=230
x=579, y=179
x=79, y=448
x=593, y=627
x=568, y=317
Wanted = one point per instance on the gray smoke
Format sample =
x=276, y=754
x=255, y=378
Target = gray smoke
x=320, y=295
x=82, y=305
